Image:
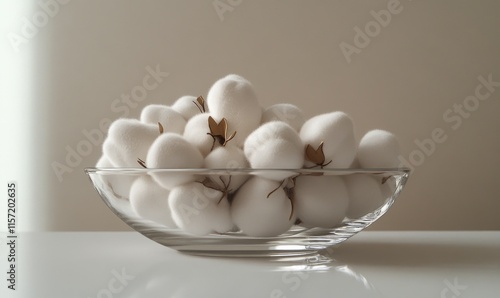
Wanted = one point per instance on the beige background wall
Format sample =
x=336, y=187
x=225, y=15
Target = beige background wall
x=423, y=62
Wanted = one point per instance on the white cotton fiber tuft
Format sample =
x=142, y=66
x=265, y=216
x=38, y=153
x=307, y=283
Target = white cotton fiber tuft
x=196, y=210
x=168, y=117
x=285, y=112
x=274, y=145
x=172, y=151
x=104, y=162
x=365, y=194
x=186, y=106
x=229, y=157
x=236, y=78
x=120, y=184
x=378, y=149
x=196, y=133
x=277, y=154
x=128, y=140
x=268, y=132
x=150, y=201
x=321, y=201
x=336, y=131
x=235, y=99
x=258, y=215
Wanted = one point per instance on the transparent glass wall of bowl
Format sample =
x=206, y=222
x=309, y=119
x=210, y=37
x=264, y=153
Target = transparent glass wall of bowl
x=378, y=187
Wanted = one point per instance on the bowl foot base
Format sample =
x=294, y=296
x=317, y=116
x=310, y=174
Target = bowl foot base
x=298, y=257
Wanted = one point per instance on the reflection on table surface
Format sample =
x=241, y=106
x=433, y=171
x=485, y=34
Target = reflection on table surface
x=372, y=264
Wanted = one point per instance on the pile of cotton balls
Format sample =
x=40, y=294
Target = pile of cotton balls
x=230, y=130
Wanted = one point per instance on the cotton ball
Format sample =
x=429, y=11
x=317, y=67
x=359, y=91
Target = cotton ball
x=186, y=106
x=365, y=194
x=128, y=140
x=274, y=145
x=336, y=131
x=166, y=116
x=104, y=162
x=378, y=149
x=150, y=201
x=196, y=210
x=172, y=151
x=193, y=208
x=235, y=99
x=258, y=215
x=196, y=133
x=229, y=157
x=119, y=183
x=277, y=154
x=271, y=131
x=236, y=77
x=321, y=201
x=118, y=153
x=285, y=112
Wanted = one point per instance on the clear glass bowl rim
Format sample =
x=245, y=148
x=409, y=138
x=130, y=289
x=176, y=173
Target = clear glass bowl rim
x=340, y=171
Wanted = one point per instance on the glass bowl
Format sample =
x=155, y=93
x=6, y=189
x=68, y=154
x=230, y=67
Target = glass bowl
x=301, y=239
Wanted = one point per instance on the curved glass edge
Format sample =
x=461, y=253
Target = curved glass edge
x=244, y=171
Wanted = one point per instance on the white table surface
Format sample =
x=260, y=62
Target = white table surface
x=371, y=264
